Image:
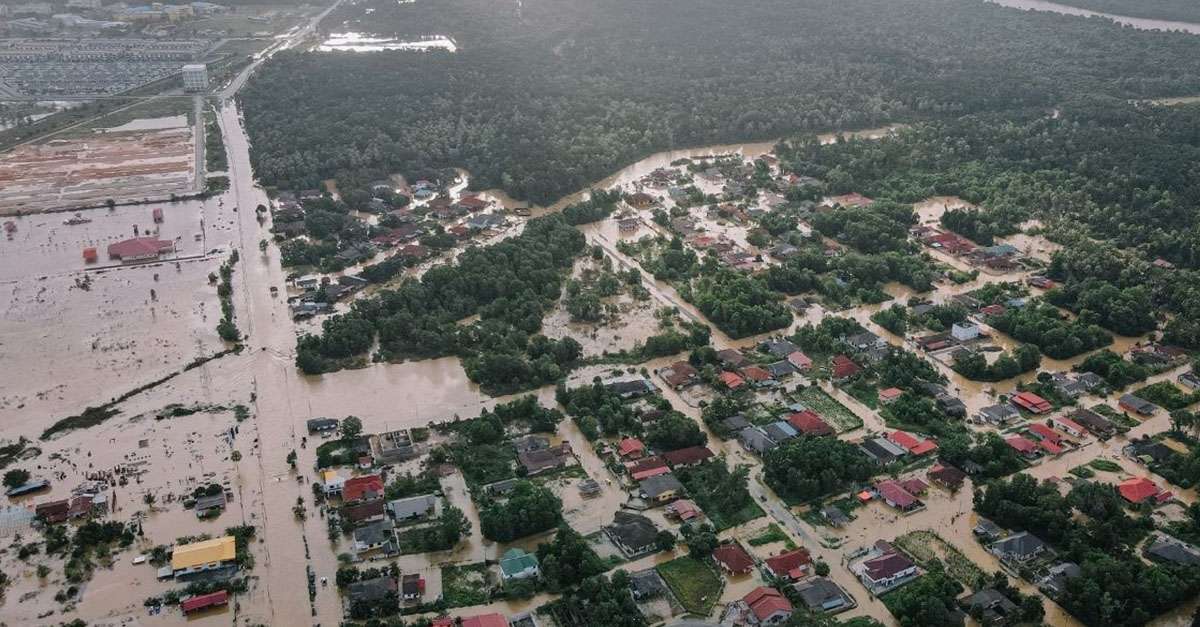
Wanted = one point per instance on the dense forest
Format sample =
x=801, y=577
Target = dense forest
x=544, y=97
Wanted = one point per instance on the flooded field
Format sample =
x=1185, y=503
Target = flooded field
x=359, y=42
x=1135, y=22
x=123, y=165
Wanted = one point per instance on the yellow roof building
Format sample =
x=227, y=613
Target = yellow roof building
x=205, y=552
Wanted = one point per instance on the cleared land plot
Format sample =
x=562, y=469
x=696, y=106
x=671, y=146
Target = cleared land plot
x=693, y=582
x=465, y=585
x=925, y=546
x=123, y=166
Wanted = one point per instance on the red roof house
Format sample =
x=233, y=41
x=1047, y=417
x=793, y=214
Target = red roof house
x=1050, y=447
x=648, y=467
x=732, y=381
x=204, y=601
x=1022, y=445
x=948, y=476
x=1138, y=490
x=684, y=509
x=844, y=368
x=485, y=620
x=895, y=495
x=790, y=565
x=733, y=559
x=687, y=456
x=768, y=605
x=364, y=488
x=889, y=395
x=756, y=375
x=139, y=248
x=809, y=422
x=631, y=448
x=1044, y=432
x=800, y=360
x=910, y=443
x=1031, y=402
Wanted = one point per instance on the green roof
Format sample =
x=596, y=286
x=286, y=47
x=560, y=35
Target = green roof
x=517, y=560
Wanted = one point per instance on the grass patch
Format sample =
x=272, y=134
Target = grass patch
x=465, y=585
x=694, y=583
x=864, y=393
x=1167, y=395
x=1083, y=472
x=722, y=494
x=836, y=414
x=336, y=453
x=1105, y=465
x=926, y=546
x=773, y=533
x=1114, y=416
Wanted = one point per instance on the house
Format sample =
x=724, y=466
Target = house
x=1045, y=433
x=373, y=536
x=731, y=380
x=844, y=368
x=634, y=534
x=1148, y=451
x=755, y=440
x=203, y=556
x=801, y=361
x=778, y=348
x=808, y=422
x=1167, y=549
x=683, y=509
x=987, y=531
x=1138, y=490
x=1068, y=426
x=501, y=488
x=733, y=559
x=321, y=425
x=546, y=460
x=820, y=594
x=412, y=587
x=32, y=486
x=890, y=395
x=689, y=456
x=332, y=482
x=1055, y=581
x=199, y=602
x=910, y=443
x=631, y=388
x=647, y=467
x=735, y=423
x=365, y=512
x=946, y=476
x=768, y=606
x=1067, y=386
x=647, y=584
x=835, y=516
x=640, y=200
x=990, y=606
x=780, y=369
x=1031, y=402
x=483, y=620
x=364, y=488
x=140, y=248
x=790, y=565
x=209, y=505
x=631, y=448
x=780, y=431
x=998, y=415
x=1019, y=547
x=589, y=488
x=395, y=446
x=757, y=376
x=412, y=508
x=1189, y=379
x=887, y=570
x=518, y=564
x=660, y=488
x=731, y=358
x=1137, y=405
x=964, y=331
x=679, y=375
x=881, y=450
x=865, y=341
x=1026, y=447
x=951, y=405
x=897, y=497
x=1098, y=425
x=371, y=590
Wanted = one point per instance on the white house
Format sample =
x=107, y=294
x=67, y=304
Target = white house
x=964, y=332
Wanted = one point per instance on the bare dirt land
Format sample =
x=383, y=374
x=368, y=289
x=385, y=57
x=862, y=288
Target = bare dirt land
x=124, y=165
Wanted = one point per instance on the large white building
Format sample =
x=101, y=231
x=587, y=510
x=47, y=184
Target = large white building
x=195, y=77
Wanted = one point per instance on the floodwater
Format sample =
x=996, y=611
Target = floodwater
x=1140, y=23
x=359, y=42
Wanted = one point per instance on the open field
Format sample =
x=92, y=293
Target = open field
x=693, y=582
